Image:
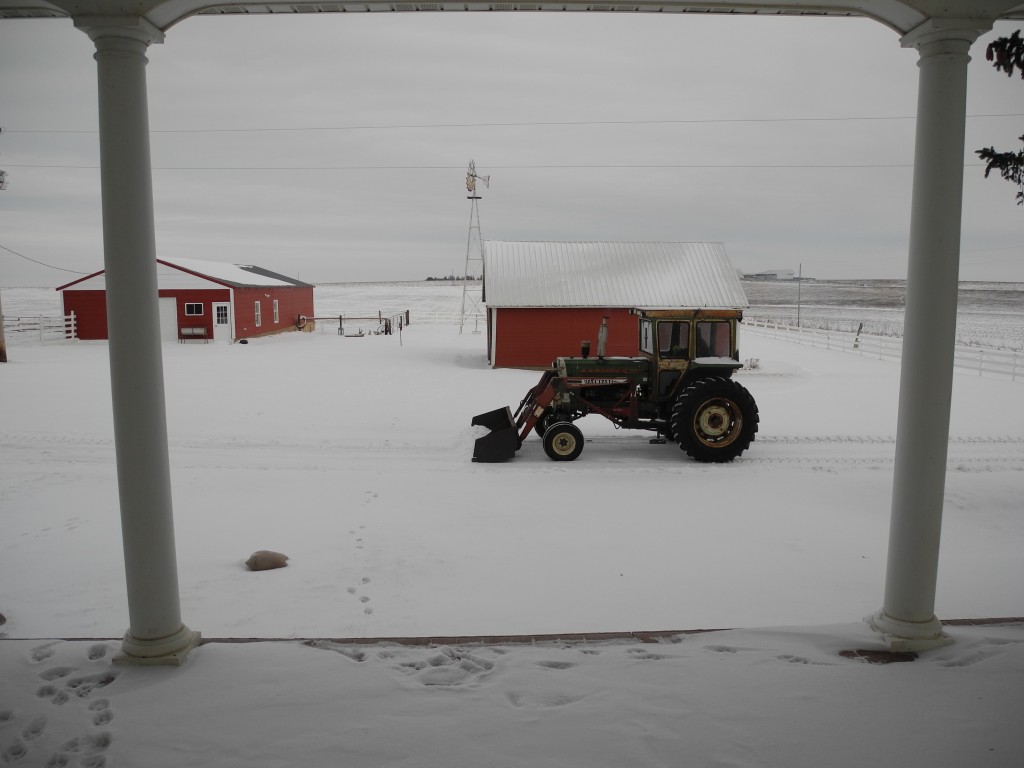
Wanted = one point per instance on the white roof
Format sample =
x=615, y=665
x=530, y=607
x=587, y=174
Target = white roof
x=610, y=274
x=231, y=273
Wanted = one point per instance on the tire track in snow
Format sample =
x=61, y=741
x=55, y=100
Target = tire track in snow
x=967, y=453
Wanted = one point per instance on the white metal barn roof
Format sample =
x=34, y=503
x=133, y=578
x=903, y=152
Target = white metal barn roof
x=609, y=274
x=169, y=270
x=241, y=275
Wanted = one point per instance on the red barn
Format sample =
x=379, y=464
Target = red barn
x=201, y=300
x=544, y=298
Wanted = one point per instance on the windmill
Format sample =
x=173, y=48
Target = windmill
x=473, y=297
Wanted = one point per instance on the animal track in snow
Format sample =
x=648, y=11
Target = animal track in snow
x=14, y=752
x=790, y=658
x=42, y=653
x=977, y=654
x=92, y=747
x=362, y=598
x=35, y=728
x=55, y=673
x=353, y=652
x=83, y=686
x=448, y=667
x=540, y=700
x=556, y=664
x=35, y=738
x=53, y=693
x=101, y=712
x=645, y=655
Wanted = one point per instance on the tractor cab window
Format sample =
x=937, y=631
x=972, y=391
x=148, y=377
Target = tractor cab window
x=713, y=339
x=647, y=337
x=673, y=340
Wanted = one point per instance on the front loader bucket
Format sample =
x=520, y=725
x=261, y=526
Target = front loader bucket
x=502, y=442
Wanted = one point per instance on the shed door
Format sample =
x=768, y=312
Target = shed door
x=221, y=321
x=168, y=319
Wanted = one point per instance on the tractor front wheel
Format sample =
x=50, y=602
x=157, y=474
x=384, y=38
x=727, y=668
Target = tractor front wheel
x=545, y=420
x=714, y=419
x=563, y=442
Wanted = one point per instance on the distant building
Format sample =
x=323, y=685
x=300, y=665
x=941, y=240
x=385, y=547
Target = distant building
x=544, y=298
x=201, y=300
x=772, y=274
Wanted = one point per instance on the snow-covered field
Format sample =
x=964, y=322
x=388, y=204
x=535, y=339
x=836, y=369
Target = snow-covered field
x=988, y=314
x=352, y=456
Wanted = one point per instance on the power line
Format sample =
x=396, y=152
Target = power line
x=525, y=124
x=581, y=166
x=41, y=263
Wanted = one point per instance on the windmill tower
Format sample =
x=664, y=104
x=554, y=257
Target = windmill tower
x=473, y=295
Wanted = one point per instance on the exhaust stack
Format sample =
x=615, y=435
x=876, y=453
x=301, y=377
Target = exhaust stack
x=602, y=338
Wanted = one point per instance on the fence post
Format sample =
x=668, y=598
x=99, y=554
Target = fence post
x=3, y=339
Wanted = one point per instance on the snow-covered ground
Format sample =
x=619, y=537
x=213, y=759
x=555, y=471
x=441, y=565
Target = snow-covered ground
x=352, y=456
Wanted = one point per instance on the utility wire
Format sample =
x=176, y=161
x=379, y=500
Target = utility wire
x=43, y=264
x=525, y=124
x=598, y=166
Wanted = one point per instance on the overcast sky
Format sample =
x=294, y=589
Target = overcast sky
x=333, y=147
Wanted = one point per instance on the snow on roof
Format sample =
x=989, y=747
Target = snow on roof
x=236, y=274
x=610, y=274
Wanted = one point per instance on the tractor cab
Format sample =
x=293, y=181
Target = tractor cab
x=685, y=343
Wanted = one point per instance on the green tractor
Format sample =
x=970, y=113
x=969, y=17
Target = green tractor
x=681, y=387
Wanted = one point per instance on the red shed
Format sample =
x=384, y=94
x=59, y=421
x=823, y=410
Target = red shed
x=544, y=298
x=201, y=300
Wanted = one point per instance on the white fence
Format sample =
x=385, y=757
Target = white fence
x=475, y=321
x=40, y=329
x=984, y=361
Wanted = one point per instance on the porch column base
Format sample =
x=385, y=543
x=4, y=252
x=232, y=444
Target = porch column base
x=163, y=651
x=902, y=635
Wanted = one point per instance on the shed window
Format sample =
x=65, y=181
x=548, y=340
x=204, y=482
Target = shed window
x=259, y=315
x=277, y=315
x=193, y=310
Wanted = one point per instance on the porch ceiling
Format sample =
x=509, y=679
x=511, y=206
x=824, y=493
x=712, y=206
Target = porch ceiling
x=900, y=15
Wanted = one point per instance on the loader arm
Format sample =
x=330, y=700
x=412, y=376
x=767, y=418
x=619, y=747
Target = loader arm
x=507, y=432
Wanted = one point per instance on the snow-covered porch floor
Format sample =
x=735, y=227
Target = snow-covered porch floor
x=769, y=697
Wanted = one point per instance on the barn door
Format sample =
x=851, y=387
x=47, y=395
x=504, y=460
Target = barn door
x=221, y=321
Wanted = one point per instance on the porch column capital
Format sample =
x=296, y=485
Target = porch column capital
x=119, y=32
x=939, y=36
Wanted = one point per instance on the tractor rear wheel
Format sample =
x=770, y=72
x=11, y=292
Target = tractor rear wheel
x=714, y=419
x=563, y=442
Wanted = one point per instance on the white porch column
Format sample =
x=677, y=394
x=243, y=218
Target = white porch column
x=156, y=634
x=907, y=617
